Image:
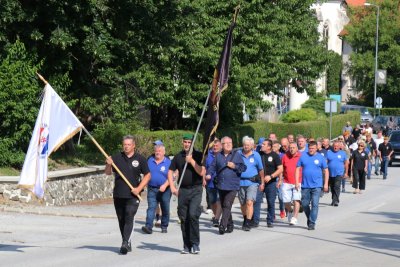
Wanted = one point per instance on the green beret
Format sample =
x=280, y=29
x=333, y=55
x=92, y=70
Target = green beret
x=187, y=136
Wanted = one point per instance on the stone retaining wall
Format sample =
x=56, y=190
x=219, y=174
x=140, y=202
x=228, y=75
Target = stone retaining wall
x=65, y=187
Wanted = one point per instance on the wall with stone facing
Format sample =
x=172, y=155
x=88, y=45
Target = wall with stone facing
x=65, y=187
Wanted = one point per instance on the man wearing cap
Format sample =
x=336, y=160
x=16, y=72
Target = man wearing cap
x=190, y=193
x=249, y=180
x=158, y=190
x=385, y=152
x=126, y=202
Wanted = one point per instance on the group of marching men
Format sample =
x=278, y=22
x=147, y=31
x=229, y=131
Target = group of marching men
x=297, y=171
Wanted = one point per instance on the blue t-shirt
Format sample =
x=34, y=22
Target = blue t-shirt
x=312, y=169
x=254, y=165
x=336, y=162
x=159, y=172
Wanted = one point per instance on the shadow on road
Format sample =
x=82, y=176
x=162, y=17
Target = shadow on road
x=101, y=248
x=13, y=248
x=376, y=241
x=153, y=246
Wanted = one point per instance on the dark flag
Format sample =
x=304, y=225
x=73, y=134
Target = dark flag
x=219, y=84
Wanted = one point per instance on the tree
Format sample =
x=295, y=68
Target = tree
x=361, y=36
x=19, y=98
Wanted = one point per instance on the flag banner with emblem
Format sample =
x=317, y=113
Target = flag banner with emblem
x=219, y=84
x=55, y=124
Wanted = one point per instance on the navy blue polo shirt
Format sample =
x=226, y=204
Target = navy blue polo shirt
x=159, y=172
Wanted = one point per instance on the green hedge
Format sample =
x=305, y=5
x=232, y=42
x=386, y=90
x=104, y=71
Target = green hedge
x=386, y=111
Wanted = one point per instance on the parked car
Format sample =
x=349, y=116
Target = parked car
x=365, y=115
x=394, y=140
x=380, y=122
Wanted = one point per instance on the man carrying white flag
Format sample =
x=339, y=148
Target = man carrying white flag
x=55, y=124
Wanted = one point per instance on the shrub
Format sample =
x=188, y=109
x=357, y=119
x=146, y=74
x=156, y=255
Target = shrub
x=304, y=114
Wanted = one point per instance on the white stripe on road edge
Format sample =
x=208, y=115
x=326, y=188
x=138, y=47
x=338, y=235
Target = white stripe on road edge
x=378, y=206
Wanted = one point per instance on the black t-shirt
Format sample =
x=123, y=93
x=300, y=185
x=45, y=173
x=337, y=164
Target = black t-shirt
x=359, y=159
x=190, y=177
x=270, y=161
x=132, y=168
x=385, y=149
x=350, y=140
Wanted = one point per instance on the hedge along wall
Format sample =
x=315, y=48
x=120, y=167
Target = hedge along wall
x=315, y=129
x=173, y=139
x=386, y=111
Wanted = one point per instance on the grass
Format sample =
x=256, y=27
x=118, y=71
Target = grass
x=8, y=171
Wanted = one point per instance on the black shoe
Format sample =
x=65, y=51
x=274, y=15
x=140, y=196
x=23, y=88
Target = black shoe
x=124, y=248
x=270, y=225
x=221, y=229
x=246, y=226
x=195, y=249
x=253, y=224
x=332, y=203
x=147, y=230
x=229, y=229
x=336, y=204
x=129, y=247
x=215, y=222
x=384, y=178
x=164, y=230
x=311, y=227
x=376, y=173
x=185, y=250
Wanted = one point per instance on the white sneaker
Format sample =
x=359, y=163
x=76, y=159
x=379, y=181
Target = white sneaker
x=209, y=211
x=158, y=223
x=289, y=217
x=293, y=221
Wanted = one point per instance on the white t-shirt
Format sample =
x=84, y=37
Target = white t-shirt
x=369, y=130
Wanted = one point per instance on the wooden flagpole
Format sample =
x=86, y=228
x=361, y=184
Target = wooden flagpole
x=101, y=150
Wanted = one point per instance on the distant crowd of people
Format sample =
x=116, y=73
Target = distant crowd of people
x=296, y=170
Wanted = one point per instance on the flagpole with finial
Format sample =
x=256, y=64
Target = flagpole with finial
x=101, y=149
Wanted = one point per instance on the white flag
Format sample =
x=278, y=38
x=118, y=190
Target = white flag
x=55, y=124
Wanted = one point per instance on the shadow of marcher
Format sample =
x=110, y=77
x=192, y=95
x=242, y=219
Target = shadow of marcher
x=101, y=248
x=13, y=248
x=153, y=246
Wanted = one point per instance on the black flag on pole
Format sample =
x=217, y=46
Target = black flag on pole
x=219, y=84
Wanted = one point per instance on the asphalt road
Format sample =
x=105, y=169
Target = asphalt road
x=363, y=231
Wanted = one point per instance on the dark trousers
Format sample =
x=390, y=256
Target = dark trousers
x=126, y=209
x=227, y=197
x=189, y=211
x=359, y=179
x=334, y=184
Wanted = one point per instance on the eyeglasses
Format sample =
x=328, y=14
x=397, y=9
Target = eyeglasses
x=361, y=145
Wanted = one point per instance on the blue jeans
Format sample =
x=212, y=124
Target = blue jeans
x=154, y=196
x=377, y=165
x=270, y=194
x=384, y=166
x=369, y=169
x=310, y=196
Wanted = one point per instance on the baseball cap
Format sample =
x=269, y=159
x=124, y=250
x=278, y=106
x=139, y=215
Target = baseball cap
x=158, y=143
x=261, y=140
x=187, y=136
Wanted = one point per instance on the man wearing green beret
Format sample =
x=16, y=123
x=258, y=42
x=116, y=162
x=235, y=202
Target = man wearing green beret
x=190, y=193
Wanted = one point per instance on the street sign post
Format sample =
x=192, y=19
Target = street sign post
x=378, y=104
x=330, y=106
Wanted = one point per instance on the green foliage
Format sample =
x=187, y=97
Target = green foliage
x=386, y=111
x=318, y=104
x=19, y=98
x=333, y=73
x=303, y=114
x=362, y=32
x=315, y=129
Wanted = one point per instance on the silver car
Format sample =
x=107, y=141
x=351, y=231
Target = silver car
x=365, y=115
